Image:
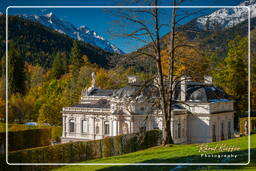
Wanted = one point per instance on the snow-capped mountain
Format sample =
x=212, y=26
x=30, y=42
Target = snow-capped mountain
x=82, y=33
x=227, y=17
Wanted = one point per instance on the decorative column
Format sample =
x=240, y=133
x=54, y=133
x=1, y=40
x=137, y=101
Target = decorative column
x=117, y=133
x=131, y=127
x=75, y=126
x=94, y=131
x=102, y=127
x=111, y=134
x=63, y=126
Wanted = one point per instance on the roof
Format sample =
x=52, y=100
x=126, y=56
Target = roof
x=128, y=91
x=101, y=92
x=200, y=92
x=100, y=104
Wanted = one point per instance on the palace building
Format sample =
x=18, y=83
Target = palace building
x=203, y=112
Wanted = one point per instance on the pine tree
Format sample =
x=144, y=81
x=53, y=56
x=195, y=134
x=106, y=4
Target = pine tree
x=232, y=73
x=58, y=66
x=76, y=58
x=76, y=63
x=16, y=71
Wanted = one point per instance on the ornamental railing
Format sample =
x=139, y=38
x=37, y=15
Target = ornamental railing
x=80, y=109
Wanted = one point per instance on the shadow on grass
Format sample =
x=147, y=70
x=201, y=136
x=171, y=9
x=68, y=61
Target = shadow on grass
x=242, y=157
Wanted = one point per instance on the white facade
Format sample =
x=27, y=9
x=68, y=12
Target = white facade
x=100, y=114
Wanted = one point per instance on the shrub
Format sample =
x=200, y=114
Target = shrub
x=85, y=150
x=18, y=140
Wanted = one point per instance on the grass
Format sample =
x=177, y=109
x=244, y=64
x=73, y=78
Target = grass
x=176, y=154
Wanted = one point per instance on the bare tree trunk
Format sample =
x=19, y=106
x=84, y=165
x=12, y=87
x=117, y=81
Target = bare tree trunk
x=160, y=75
x=171, y=73
x=166, y=92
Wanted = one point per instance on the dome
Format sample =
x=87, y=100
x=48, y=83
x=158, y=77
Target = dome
x=128, y=91
x=198, y=92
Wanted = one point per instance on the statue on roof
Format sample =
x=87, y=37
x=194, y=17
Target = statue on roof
x=93, y=79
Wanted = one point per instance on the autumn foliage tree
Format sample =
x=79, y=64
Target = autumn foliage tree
x=232, y=73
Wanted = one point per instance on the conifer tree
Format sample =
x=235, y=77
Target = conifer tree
x=58, y=66
x=232, y=73
x=76, y=63
x=76, y=58
x=16, y=71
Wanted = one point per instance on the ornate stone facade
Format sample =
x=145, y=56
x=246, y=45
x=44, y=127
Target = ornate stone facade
x=207, y=115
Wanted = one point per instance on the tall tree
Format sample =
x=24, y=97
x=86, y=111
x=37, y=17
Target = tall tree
x=16, y=71
x=76, y=58
x=76, y=63
x=146, y=25
x=59, y=65
x=231, y=74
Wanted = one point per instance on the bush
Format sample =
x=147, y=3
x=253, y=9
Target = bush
x=26, y=139
x=80, y=151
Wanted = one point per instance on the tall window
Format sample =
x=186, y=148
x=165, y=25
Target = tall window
x=179, y=130
x=125, y=128
x=222, y=131
x=229, y=129
x=106, y=128
x=71, y=125
x=84, y=126
x=97, y=129
x=213, y=133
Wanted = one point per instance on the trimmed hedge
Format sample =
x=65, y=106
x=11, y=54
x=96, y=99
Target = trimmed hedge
x=82, y=150
x=25, y=139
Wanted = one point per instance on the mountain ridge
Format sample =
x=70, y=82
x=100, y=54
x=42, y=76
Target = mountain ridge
x=227, y=17
x=82, y=33
x=38, y=43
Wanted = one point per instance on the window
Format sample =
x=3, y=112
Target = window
x=183, y=132
x=71, y=125
x=125, y=129
x=97, y=129
x=155, y=125
x=222, y=131
x=179, y=130
x=229, y=129
x=106, y=128
x=84, y=126
x=213, y=133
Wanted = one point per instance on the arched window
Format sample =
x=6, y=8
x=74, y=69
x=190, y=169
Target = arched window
x=125, y=128
x=84, y=126
x=213, y=133
x=71, y=125
x=97, y=129
x=106, y=128
x=222, y=131
x=229, y=129
x=179, y=130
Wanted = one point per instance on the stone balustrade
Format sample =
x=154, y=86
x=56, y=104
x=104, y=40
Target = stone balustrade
x=79, y=109
x=208, y=108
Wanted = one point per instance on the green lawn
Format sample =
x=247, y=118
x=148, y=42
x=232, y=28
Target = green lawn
x=177, y=154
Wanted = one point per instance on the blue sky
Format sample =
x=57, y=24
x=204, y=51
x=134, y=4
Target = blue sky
x=97, y=19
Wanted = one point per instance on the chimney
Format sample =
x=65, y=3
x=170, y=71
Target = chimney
x=132, y=79
x=183, y=88
x=208, y=79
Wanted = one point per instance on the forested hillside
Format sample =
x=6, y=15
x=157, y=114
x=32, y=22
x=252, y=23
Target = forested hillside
x=38, y=44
